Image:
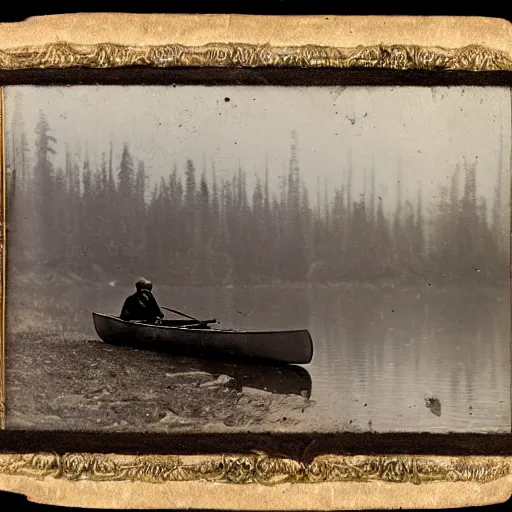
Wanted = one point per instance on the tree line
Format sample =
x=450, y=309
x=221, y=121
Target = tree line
x=201, y=230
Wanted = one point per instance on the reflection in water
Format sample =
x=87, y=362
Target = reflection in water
x=280, y=379
x=379, y=352
x=380, y=355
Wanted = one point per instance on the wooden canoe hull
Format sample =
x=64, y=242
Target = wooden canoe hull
x=287, y=347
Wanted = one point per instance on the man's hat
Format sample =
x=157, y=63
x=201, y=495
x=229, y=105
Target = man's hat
x=143, y=283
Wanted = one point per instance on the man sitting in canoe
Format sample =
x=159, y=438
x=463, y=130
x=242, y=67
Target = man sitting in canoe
x=142, y=305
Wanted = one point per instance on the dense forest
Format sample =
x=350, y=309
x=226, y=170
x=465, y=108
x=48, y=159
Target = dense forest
x=191, y=228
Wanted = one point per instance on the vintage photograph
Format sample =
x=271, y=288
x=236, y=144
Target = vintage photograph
x=258, y=258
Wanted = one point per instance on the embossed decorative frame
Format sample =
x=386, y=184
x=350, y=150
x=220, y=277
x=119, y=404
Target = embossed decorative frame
x=398, y=459
x=399, y=57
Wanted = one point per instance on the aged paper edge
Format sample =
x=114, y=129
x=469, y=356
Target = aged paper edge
x=198, y=495
x=281, y=31
x=251, y=481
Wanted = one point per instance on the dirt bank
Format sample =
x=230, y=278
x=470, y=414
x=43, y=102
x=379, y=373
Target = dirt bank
x=63, y=381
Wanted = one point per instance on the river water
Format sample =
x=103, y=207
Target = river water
x=379, y=352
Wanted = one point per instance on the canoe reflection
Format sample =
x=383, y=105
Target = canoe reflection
x=280, y=379
x=283, y=379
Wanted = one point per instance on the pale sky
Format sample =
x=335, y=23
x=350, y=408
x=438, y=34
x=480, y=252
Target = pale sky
x=426, y=131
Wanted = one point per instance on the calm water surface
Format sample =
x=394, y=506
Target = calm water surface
x=378, y=352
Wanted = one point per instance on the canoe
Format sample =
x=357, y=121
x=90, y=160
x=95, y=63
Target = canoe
x=199, y=340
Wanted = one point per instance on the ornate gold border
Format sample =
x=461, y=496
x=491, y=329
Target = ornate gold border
x=64, y=55
x=257, y=468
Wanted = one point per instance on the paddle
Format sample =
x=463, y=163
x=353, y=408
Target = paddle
x=179, y=313
x=187, y=316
